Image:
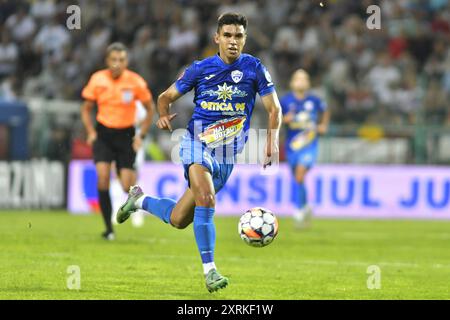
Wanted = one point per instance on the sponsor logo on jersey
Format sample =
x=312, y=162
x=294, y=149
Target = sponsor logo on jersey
x=223, y=106
x=224, y=92
x=302, y=139
x=222, y=132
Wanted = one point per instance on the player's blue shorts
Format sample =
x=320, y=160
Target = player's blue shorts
x=305, y=157
x=193, y=151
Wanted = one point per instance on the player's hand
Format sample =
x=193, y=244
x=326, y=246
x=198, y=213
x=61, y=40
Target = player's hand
x=163, y=122
x=271, y=151
x=289, y=117
x=322, y=129
x=137, y=143
x=92, y=136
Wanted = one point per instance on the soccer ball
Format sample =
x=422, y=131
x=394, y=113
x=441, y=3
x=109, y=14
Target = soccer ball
x=258, y=227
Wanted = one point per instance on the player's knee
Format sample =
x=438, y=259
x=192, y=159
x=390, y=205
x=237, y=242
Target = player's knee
x=300, y=174
x=300, y=178
x=126, y=187
x=205, y=199
x=180, y=224
x=103, y=183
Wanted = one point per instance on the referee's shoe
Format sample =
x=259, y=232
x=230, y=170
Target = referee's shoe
x=108, y=235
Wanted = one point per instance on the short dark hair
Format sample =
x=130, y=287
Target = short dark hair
x=231, y=18
x=115, y=46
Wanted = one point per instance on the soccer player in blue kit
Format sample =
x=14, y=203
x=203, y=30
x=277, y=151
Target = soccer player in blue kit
x=225, y=90
x=305, y=116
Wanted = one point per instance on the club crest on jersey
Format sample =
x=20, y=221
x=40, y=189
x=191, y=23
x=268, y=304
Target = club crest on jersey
x=236, y=75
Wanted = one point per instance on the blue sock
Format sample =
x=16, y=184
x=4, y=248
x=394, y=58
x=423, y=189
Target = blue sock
x=159, y=207
x=301, y=196
x=205, y=233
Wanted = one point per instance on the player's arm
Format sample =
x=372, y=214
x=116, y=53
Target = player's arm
x=86, y=110
x=145, y=124
x=288, y=118
x=165, y=99
x=273, y=108
x=324, y=122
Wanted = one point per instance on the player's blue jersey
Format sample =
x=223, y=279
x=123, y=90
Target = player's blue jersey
x=224, y=98
x=302, y=130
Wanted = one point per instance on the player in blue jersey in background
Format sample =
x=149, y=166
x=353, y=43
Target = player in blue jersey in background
x=306, y=117
x=225, y=90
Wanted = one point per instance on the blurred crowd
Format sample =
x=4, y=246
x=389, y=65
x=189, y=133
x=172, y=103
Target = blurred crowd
x=399, y=74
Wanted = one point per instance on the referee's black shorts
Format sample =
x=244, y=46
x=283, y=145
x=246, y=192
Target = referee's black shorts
x=115, y=145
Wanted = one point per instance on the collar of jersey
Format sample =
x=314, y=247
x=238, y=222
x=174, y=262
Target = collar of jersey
x=300, y=100
x=119, y=78
x=221, y=62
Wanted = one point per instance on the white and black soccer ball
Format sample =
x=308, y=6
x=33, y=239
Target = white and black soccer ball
x=258, y=227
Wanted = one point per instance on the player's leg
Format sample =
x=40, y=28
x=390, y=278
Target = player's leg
x=180, y=214
x=183, y=213
x=303, y=163
x=116, y=191
x=300, y=172
x=202, y=186
x=125, y=159
x=103, y=175
x=160, y=207
x=103, y=156
x=127, y=178
x=302, y=215
x=125, y=162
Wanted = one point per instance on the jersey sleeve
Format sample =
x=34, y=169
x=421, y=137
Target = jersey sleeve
x=90, y=91
x=143, y=93
x=188, y=79
x=322, y=105
x=265, y=84
x=284, y=104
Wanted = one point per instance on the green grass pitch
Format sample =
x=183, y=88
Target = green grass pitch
x=329, y=261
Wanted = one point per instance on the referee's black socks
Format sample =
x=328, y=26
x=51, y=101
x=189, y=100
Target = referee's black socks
x=106, y=207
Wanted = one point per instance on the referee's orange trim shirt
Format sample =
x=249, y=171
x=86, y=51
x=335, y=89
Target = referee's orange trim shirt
x=116, y=98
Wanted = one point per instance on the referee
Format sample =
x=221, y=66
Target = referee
x=115, y=90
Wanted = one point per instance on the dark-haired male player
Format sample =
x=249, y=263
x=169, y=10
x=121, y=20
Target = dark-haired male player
x=225, y=90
